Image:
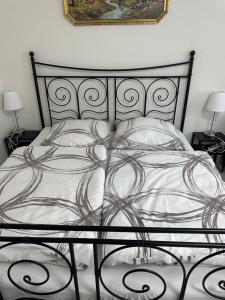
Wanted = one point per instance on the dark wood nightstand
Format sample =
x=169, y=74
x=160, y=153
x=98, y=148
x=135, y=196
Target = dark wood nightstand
x=200, y=141
x=16, y=140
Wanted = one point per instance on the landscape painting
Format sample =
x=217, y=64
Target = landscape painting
x=84, y=12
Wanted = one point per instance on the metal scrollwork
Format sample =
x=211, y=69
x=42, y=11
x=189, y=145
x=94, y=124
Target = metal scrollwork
x=221, y=283
x=93, y=91
x=61, y=91
x=129, y=92
x=162, y=96
x=145, y=287
x=28, y=279
x=163, y=92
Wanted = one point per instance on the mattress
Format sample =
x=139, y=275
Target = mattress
x=112, y=277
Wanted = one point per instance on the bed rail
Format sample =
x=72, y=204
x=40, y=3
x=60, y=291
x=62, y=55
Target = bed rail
x=157, y=245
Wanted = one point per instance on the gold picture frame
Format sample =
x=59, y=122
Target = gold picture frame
x=108, y=12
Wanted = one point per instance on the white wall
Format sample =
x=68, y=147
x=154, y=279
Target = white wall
x=41, y=26
x=6, y=123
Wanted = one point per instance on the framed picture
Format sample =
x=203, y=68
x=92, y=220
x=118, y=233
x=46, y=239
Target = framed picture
x=87, y=12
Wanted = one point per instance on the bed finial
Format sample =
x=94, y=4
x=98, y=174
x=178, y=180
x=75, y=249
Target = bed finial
x=192, y=53
x=31, y=55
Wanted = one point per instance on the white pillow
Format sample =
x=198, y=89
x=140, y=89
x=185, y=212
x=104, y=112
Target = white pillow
x=79, y=133
x=147, y=133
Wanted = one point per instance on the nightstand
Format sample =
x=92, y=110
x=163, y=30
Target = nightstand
x=17, y=140
x=200, y=141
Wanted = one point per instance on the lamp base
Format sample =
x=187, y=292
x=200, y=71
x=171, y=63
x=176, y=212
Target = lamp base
x=18, y=130
x=210, y=133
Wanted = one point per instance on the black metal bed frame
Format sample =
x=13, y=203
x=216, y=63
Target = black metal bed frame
x=99, y=281
x=112, y=94
x=91, y=95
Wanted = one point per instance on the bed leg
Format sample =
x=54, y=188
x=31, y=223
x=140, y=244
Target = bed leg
x=96, y=271
x=75, y=277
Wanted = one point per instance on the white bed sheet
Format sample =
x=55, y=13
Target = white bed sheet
x=113, y=279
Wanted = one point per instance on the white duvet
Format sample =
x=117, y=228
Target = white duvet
x=52, y=185
x=65, y=185
x=162, y=189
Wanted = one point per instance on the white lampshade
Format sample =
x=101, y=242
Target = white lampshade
x=216, y=102
x=12, y=101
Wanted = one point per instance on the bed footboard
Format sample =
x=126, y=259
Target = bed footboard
x=70, y=260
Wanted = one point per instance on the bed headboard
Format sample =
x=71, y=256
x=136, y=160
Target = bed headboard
x=65, y=92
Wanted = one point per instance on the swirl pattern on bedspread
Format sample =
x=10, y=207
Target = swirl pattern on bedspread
x=162, y=189
x=52, y=185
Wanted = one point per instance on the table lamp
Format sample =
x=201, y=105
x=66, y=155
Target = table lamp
x=215, y=103
x=13, y=103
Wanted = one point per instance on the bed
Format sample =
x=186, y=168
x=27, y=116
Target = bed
x=110, y=201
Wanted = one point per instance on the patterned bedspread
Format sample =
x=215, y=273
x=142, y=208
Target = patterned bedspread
x=52, y=185
x=162, y=189
x=65, y=185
